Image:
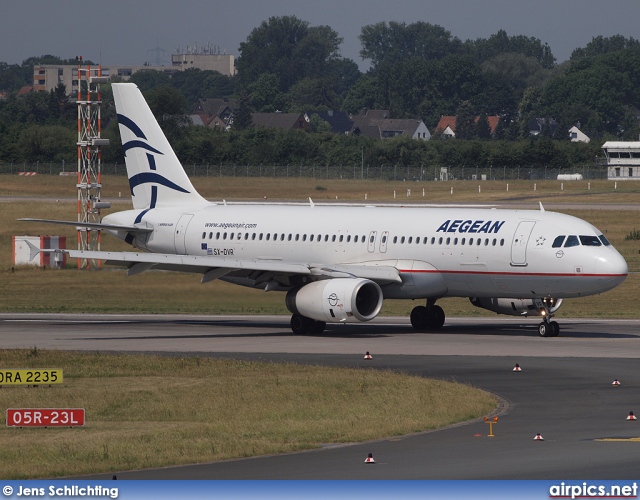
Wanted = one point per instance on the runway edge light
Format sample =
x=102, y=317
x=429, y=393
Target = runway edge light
x=370, y=459
x=538, y=437
x=632, y=416
x=368, y=356
x=517, y=368
x=615, y=382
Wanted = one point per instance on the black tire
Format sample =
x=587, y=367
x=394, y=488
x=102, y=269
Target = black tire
x=419, y=317
x=556, y=328
x=300, y=325
x=437, y=317
x=545, y=329
x=317, y=327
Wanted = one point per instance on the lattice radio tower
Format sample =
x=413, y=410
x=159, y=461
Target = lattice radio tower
x=89, y=155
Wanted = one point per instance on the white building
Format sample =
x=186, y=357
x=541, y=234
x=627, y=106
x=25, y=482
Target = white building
x=623, y=160
x=576, y=135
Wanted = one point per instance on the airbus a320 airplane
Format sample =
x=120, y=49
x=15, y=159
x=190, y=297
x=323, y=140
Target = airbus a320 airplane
x=336, y=263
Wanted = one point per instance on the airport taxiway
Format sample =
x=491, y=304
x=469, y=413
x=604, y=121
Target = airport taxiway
x=564, y=391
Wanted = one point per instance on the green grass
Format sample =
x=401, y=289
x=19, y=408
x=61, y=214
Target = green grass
x=152, y=411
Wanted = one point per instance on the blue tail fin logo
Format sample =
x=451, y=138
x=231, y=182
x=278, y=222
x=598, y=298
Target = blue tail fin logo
x=151, y=177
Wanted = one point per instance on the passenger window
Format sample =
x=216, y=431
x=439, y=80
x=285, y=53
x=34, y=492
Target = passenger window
x=464, y=240
x=333, y=238
x=204, y=235
x=210, y=236
x=217, y=236
x=494, y=242
x=395, y=239
x=433, y=240
x=590, y=241
x=224, y=236
x=448, y=241
x=572, y=241
x=260, y=237
x=502, y=242
x=282, y=237
x=410, y=239
x=268, y=236
x=557, y=243
x=341, y=238
x=253, y=236
x=440, y=241
x=311, y=237
x=424, y=240
x=304, y=237
x=384, y=238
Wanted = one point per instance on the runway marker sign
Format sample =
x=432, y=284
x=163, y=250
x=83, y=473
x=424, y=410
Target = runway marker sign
x=31, y=376
x=45, y=417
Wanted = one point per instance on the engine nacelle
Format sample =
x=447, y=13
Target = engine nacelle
x=337, y=300
x=518, y=307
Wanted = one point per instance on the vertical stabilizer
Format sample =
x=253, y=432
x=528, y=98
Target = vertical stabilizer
x=156, y=177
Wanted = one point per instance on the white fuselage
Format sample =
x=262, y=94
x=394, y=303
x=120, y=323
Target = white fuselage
x=440, y=252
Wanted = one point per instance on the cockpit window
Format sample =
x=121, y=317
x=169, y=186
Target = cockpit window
x=604, y=240
x=557, y=243
x=590, y=241
x=572, y=241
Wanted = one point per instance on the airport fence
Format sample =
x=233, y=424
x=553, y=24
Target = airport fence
x=364, y=172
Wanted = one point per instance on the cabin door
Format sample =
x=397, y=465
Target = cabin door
x=181, y=233
x=519, y=243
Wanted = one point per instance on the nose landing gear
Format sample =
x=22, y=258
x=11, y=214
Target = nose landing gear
x=548, y=328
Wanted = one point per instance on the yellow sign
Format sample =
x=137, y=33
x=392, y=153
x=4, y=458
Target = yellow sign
x=34, y=376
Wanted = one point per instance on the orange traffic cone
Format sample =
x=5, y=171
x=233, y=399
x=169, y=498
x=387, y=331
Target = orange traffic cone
x=632, y=416
x=517, y=368
x=615, y=382
x=370, y=459
x=538, y=437
x=368, y=356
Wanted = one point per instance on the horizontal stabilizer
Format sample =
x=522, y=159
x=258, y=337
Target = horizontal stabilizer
x=92, y=225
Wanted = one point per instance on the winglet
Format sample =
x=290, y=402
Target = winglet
x=541, y=207
x=311, y=202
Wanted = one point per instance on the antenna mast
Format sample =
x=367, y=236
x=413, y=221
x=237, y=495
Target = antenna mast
x=89, y=155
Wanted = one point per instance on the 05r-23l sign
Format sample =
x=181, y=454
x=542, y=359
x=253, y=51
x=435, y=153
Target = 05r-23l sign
x=45, y=417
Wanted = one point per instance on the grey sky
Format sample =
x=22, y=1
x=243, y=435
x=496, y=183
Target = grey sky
x=125, y=32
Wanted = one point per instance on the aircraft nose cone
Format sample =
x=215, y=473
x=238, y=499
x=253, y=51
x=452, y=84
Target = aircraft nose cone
x=612, y=268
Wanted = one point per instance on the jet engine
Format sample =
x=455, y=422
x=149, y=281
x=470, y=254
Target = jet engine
x=336, y=300
x=518, y=307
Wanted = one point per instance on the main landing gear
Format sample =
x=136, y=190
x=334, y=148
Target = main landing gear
x=430, y=317
x=301, y=325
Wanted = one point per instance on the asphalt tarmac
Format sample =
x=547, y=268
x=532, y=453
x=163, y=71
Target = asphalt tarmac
x=564, y=391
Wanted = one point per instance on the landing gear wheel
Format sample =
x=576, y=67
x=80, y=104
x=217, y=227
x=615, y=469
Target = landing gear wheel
x=556, y=328
x=301, y=325
x=419, y=317
x=317, y=327
x=437, y=317
x=545, y=329
x=424, y=318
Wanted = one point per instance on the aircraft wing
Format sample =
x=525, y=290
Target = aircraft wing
x=92, y=225
x=216, y=267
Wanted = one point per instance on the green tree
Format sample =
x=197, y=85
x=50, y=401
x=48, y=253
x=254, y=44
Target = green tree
x=395, y=41
x=465, y=121
x=289, y=48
